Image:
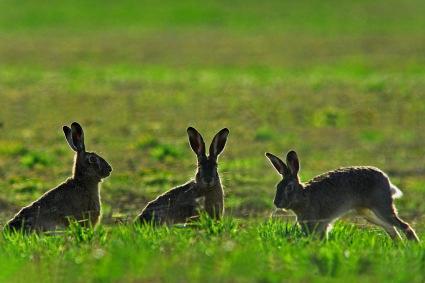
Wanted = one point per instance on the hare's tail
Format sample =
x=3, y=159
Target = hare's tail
x=395, y=192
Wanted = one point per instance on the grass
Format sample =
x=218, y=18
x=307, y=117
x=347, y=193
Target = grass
x=265, y=250
x=339, y=81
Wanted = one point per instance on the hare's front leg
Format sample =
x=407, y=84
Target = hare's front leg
x=214, y=209
x=319, y=228
x=214, y=204
x=314, y=227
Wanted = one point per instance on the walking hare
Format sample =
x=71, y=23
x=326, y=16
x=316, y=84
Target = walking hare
x=321, y=201
x=179, y=204
x=77, y=198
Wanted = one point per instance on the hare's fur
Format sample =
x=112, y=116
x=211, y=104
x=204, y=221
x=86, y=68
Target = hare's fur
x=72, y=200
x=181, y=203
x=214, y=201
x=77, y=199
x=325, y=198
x=173, y=206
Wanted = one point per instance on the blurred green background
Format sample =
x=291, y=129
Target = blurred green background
x=339, y=81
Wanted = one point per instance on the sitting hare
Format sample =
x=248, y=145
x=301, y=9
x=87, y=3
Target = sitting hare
x=76, y=199
x=321, y=201
x=179, y=204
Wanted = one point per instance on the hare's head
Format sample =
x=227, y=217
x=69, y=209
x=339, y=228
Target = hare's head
x=207, y=175
x=289, y=190
x=88, y=165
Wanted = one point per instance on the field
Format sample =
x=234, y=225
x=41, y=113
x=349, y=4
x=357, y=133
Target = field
x=342, y=82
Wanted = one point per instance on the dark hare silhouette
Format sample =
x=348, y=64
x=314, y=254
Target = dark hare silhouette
x=180, y=203
x=322, y=200
x=78, y=198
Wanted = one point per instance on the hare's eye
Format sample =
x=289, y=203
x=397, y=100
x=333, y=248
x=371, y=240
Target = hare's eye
x=92, y=159
x=290, y=186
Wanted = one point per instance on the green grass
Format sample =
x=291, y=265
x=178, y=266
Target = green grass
x=339, y=81
x=267, y=251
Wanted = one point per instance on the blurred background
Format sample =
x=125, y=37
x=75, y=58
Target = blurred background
x=341, y=82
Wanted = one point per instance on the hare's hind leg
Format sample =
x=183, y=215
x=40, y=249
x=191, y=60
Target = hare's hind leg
x=389, y=215
x=370, y=216
x=407, y=229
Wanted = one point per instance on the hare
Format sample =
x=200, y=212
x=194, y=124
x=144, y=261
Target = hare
x=321, y=201
x=179, y=204
x=76, y=199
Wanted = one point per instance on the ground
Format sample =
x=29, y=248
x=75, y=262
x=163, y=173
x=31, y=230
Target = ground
x=340, y=82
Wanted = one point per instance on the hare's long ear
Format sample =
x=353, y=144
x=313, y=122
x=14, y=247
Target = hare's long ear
x=278, y=164
x=78, y=137
x=218, y=143
x=68, y=135
x=293, y=162
x=196, y=141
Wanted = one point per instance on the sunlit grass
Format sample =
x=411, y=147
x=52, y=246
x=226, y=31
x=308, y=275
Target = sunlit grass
x=229, y=250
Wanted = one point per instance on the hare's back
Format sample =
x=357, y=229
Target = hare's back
x=49, y=210
x=172, y=206
x=341, y=190
x=351, y=180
